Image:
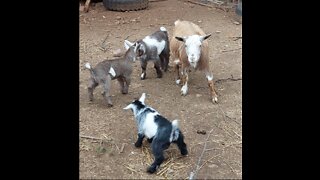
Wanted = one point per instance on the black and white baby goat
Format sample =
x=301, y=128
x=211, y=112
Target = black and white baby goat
x=159, y=131
x=154, y=47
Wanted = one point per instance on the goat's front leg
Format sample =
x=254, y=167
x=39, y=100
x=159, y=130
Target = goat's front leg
x=106, y=87
x=143, y=67
x=184, y=80
x=139, y=141
x=213, y=94
x=122, y=85
x=127, y=81
x=158, y=70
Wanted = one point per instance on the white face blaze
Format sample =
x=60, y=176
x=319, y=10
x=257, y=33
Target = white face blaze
x=193, y=49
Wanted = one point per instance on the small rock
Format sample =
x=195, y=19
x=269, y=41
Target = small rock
x=151, y=25
x=198, y=95
x=117, y=22
x=201, y=132
x=117, y=53
x=118, y=17
x=199, y=21
x=133, y=20
x=213, y=166
x=103, y=17
x=218, y=31
x=226, y=45
x=236, y=23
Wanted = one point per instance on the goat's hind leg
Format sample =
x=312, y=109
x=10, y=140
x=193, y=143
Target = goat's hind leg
x=177, y=65
x=107, y=87
x=181, y=144
x=157, y=150
x=158, y=70
x=91, y=86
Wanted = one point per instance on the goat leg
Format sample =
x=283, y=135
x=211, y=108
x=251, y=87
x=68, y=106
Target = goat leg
x=127, y=81
x=143, y=67
x=106, y=86
x=184, y=79
x=139, y=141
x=158, y=70
x=92, y=85
x=157, y=150
x=181, y=144
x=213, y=93
x=122, y=85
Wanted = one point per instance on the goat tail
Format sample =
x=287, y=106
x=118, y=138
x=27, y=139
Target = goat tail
x=163, y=29
x=175, y=125
x=176, y=22
x=175, y=131
x=88, y=66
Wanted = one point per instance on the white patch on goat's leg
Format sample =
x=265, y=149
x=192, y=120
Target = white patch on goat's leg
x=214, y=97
x=142, y=75
x=176, y=61
x=112, y=72
x=209, y=77
x=142, y=98
x=184, y=89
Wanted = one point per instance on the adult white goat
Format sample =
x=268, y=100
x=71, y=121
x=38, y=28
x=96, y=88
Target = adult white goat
x=189, y=49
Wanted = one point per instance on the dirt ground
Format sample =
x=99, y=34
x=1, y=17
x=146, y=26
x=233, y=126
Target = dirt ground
x=114, y=156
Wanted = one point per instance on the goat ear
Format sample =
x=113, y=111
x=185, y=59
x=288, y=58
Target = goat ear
x=127, y=44
x=202, y=38
x=142, y=98
x=128, y=107
x=183, y=39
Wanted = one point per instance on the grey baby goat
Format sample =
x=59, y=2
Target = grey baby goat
x=107, y=70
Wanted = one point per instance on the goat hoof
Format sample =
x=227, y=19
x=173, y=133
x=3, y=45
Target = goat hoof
x=184, y=91
x=110, y=105
x=184, y=152
x=151, y=169
x=137, y=145
x=143, y=76
x=215, y=100
x=150, y=140
x=124, y=92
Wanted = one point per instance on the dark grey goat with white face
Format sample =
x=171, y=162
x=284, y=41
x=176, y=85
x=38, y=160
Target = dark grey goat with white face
x=154, y=47
x=107, y=70
x=159, y=131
